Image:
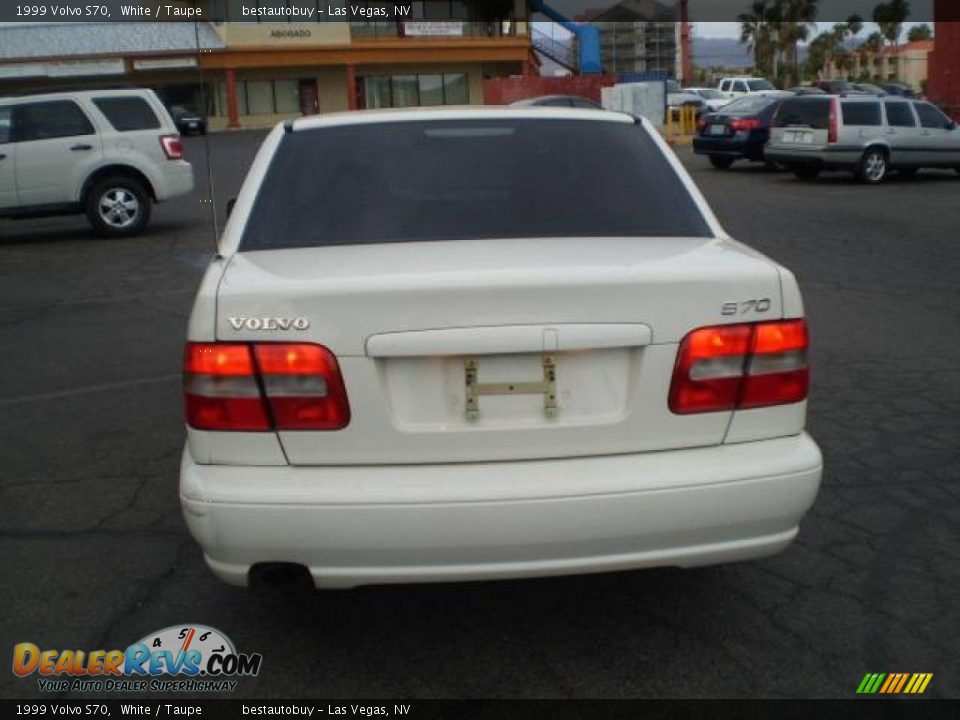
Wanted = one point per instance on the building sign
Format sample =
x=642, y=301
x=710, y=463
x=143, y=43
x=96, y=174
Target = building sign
x=164, y=63
x=434, y=28
x=22, y=70
x=80, y=68
x=74, y=68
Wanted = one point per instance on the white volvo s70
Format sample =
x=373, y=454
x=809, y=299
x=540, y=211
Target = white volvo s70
x=485, y=343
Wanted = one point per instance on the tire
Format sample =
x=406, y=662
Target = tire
x=874, y=167
x=721, y=162
x=806, y=174
x=118, y=206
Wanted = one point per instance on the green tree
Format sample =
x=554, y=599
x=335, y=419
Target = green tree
x=890, y=16
x=795, y=22
x=757, y=33
x=920, y=32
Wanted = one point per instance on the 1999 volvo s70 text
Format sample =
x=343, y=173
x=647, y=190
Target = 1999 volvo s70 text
x=487, y=343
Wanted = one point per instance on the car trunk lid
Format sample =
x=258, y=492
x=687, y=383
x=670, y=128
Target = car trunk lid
x=496, y=349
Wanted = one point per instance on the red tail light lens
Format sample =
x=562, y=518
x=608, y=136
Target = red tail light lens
x=744, y=124
x=220, y=388
x=172, y=147
x=304, y=387
x=701, y=123
x=263, y=387
x=832, y=132
x=730, y=367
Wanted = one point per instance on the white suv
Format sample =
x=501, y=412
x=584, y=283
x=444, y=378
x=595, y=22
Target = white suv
x=107, y=153
x=403, y=365
x=735, y=87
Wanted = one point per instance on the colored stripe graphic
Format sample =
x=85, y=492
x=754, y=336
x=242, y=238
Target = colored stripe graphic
x=894, y=683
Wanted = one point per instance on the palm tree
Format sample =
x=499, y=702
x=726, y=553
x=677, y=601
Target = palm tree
x=797, y=18
x=854, y=25
x=890, y=16
x=871, y=46
x=755, y=33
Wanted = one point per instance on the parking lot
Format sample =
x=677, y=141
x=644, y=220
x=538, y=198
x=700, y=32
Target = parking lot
x=94, y=553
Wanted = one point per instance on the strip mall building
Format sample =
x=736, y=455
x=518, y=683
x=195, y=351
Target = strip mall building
x=252, y=74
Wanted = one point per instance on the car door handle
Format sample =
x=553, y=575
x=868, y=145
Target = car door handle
x=81, y=148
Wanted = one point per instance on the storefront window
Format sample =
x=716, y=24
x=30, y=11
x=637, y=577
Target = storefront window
x=414, y=90
x=405, y=90
x=431, y=89
x=260, y=97
x=456, y=90
x=287, y=94
x=377, y=92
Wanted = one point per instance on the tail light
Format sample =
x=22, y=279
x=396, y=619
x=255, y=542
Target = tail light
x=832, y=133
x=263, y=387
x=731, y=367
x=172, y=147
x=743, y=124
x=701, y=123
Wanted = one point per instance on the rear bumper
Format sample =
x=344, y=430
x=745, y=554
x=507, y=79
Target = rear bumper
x=813, y=157
x=175, y=179
x=728, y=147
x=418, y=523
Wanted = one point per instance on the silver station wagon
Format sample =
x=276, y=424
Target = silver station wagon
x=869, y=136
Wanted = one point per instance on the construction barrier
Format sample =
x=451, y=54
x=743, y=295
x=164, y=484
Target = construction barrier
x=681, y=124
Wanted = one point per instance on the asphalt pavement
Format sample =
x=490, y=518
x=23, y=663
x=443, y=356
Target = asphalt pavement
x=94, y=552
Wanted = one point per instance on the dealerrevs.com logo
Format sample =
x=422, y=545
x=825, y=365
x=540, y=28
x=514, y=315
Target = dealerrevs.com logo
x=199, y=658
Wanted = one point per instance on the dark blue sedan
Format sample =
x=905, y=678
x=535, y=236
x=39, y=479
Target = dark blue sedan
x=737, y=131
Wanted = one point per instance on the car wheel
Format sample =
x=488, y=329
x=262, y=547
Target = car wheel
x=873, y=167
x=806, y=173
x=721, y=162
x=118, y=207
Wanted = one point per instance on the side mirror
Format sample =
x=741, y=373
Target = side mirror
x=230, y=203
x=951, y=125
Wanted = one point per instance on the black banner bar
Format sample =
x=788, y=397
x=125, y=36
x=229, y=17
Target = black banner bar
x=312, y=11
x=207, y=709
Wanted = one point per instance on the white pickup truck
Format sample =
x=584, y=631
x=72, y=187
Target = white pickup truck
x=734, y=87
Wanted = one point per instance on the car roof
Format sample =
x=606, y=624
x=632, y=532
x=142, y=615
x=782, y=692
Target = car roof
x=71, y=94
x=541, y=98
x=450, y=113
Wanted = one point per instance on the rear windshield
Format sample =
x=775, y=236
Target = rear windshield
x=749, y=104
x=757, y=85
x=810, y=112
x=861, y=114
x=468, y=179
x=127, y=114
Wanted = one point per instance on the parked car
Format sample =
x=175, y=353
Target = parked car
x=454, y=378
x=866, y=135
x=678, y=97
x=558, y=101
x=188, y=121
x=806, y=90
x=899, y=89
x=108, y=153
x=836, y=87
x=869, y=89
x=712, y=98
x=738, y=131
x=734, y=87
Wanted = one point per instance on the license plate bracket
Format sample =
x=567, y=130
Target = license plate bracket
x=547, y=387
